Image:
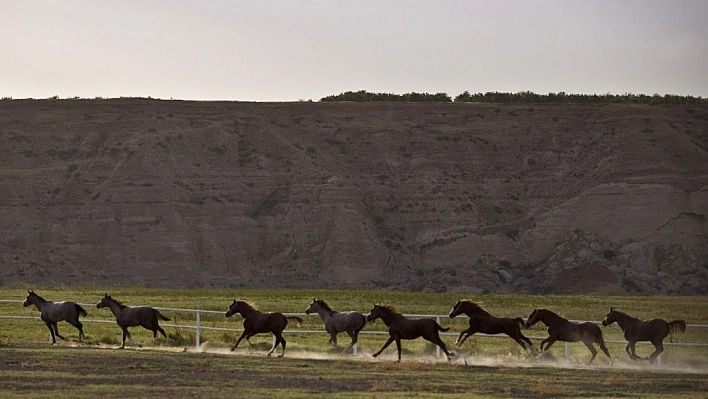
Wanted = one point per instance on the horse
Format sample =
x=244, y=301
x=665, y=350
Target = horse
x=337, y=322
x=53, y=312
x=482, y=321
x=132, y=316
x=400, y=327
x=256, y=322
x=560, y=329
x=636, y=330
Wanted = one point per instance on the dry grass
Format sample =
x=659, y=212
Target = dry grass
x=615, y=380
x=545, y=387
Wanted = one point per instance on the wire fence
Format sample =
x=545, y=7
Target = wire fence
x=199, y=326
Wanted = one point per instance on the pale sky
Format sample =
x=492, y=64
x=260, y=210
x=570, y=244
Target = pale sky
x=290, y=50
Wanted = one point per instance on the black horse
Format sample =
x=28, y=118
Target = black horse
x=53, y=312
x=256, y=322
x=560, y=329
x=483, y=322
x=337, y=322
x=129, y=316
x=636, y=330
x=400, y=327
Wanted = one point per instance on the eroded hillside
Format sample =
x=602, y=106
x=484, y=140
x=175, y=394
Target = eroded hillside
x=443, y=196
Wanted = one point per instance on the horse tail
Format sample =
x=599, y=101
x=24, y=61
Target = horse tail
x=160, y=315
x=676, y=326
x=519, y=321
x=80, y=310
x=299, y=320
x=441, y=328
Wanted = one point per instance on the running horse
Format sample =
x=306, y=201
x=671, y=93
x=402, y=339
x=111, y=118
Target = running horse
x=53, y=312
x=400, y=327
x=636, y=330
x=560, y=329
x=481, y=321
x=132, y=316
x=337, y=322
x=256, y=322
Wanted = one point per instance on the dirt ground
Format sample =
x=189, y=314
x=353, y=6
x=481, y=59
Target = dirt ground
x=83, y=371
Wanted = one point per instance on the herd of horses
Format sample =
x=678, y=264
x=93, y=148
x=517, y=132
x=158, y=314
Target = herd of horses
x=399, y=326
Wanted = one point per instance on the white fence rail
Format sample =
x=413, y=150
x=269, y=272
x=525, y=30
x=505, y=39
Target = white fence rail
x=198, y=327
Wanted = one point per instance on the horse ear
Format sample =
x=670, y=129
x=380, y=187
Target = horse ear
x=612, y=309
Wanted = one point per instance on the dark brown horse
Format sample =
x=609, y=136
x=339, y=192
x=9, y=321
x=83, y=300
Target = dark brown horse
x=337, y=322
x=255, y=322
x=400, y=327
x=560, y=329
x=483, y=322
x=131, y=316
x=636, y=330
x=53, y=312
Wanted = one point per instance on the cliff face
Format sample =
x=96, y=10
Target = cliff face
x=607, y=199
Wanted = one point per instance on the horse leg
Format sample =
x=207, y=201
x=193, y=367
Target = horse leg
x=125, y=335
x=398, y=346
x=659, y=348
x=239, y=340
x=388, y=342
x=354, y=335
x=282, y=345
x=592, y=350
x=604, y=349
x=333, y=340
x=79, y=327
x=56, y=331
x=51, y=333
x=275, y=343
x=463, y=336
x=632, y=350
x=528, y=341
x=437, y=341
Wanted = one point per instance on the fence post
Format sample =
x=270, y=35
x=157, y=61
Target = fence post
x=567, y=352
x=437, y=348
x=356, y=348
x=198, y=330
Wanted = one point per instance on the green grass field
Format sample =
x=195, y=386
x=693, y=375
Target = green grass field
x=485, y=367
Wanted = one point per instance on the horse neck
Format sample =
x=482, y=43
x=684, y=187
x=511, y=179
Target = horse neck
x=247, y=310
x=388, y=316
x=115, y=307
x=323, y=311
x=548, y=317
x=623, y=319
x=38, y=301
x=469, y=309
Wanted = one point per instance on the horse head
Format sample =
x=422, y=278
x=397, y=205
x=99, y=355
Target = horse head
x=104, y=301
x=28, y=301
x=533, y=319
x=610, y=318
x=456, y=309
x=233, y=309
x=311, y=308
x=375, y=313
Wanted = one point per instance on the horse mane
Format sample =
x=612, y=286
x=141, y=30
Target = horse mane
x=120, y=305
x=249, y=304
x=388, y=308
x=324, y=304
x=474, y=304
x=552, y=313
x=39, y=297
x=624, y=314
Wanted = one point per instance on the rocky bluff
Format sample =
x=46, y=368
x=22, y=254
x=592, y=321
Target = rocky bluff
x=607, y=199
